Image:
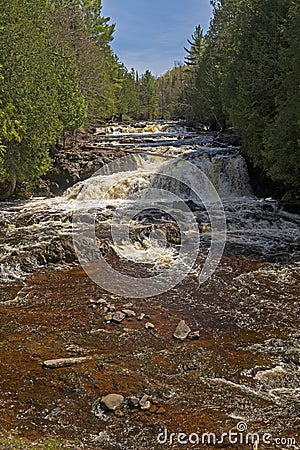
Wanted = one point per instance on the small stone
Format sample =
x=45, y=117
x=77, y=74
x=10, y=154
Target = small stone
x=140, y=316
x=182, y=331
x=111, y=308
x=149, y=326
x=112, y=401
x=119, y=413
x=146, y=406
x=145, y=403
x=105, y=309
x=128, y=305
x=161, y=410
x=108, y=317
x=101, y=301
x=194, y=335
x=128, y=312
x=155, y=401
x=118, y=317
x=153, y=409
x=133, y=402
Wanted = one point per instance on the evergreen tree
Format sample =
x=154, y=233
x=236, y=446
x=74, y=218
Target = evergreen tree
x=197, y=48
x=281, y=138
x=148, y=96
x=30, y=85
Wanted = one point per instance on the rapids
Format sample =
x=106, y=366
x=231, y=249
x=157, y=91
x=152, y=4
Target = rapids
x=246, y=365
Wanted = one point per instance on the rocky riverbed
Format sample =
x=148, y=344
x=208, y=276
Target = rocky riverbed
x=94, y=369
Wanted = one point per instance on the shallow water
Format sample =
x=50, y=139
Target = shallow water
x=245, y=366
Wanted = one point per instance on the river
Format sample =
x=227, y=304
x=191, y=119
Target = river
x=174, y=188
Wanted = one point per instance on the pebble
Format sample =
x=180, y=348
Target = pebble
x=134, y=402
x=145, y=403
x=194, y=335
x=153, y=409
x=111, y=308
x=119, y=413
x=118, y=317
x=108, y=317
x=112, y=401
x=101, y=301
x=182, y=331
x=149, y=326
x=140, y=316
x=128, y=305
x=128, y=312
x=161, y=410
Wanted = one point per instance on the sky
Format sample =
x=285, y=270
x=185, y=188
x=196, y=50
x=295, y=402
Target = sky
x=152, y=34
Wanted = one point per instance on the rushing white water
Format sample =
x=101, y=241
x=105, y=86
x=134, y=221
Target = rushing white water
x=255, y=226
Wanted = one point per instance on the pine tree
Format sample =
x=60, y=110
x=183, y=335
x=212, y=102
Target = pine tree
x=197, y=48
x=30, y=85
x=148, y=96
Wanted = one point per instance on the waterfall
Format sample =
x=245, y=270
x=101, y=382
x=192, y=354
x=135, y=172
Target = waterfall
x=121, y=178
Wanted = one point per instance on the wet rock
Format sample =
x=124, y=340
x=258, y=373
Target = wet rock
x=111, y=402
x=128, y=312
x=133, y=402
x=149, y=326
x=62, y=362
x=194, y=335
x=118, y=317
x=140, y=316
x=145, y=403
x=182, y=331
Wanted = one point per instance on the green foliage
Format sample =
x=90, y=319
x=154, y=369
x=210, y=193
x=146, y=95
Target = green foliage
x=148, y=96
x=11, y=441
x=281, y=138
x=29, y=85
x=58, y=71
x=128, y=100
x=197, y=48
x=260, y=83
x=244, y=73
x=170, y=90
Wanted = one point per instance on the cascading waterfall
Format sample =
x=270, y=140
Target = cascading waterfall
x=255, y=226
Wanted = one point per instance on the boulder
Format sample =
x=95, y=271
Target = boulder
x=111, y=402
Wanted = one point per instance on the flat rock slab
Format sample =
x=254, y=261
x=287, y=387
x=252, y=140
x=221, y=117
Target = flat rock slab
x=63, y=362
x=182, y=331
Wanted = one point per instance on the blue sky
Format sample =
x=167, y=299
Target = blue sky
x=152, y=34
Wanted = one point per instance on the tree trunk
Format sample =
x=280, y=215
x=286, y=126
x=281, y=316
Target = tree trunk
x=7, y=188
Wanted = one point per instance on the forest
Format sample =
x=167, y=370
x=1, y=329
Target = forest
x=58, y=74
